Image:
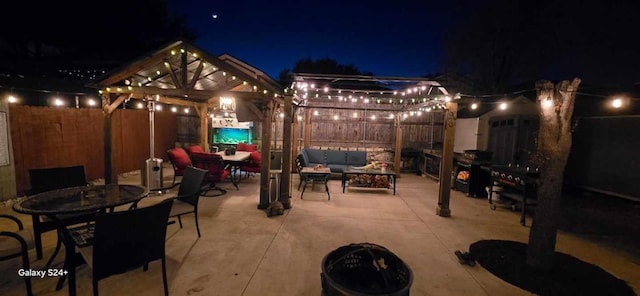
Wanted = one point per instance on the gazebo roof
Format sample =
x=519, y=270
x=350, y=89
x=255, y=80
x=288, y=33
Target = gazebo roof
x=182, y=70
x=368, y=92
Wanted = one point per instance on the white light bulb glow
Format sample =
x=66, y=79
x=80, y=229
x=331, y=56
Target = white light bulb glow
x=474, y=106
x=616, y=103
x=503, y=106
x=12, y=99
x=547, y=103
x=174, y=109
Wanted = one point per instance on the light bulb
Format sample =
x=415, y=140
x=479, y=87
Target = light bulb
x=616, y=103
x=474, y=106
x=503, y=106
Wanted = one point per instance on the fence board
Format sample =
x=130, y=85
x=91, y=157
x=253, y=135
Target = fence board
x=52, y=137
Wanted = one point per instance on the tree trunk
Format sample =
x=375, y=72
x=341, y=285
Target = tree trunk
x=555, y=108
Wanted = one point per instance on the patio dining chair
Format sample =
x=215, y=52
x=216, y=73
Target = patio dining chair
x=117, y=247
x=195, y=149
x=217, y=170
x=46, y=179
x=179, y=161
x=253, y=165
x=188, y=196
x=17, y=243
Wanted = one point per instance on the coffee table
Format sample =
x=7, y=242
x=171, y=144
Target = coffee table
x=311, y=174
x=389, y=174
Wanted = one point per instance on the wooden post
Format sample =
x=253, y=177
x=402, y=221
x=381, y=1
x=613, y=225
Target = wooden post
x=266, y=160
x=307, y=128
x=285, y=195
x=204, y=127
x=398, y=147
x=295, y=136
x=444, y=190
x=110, y=170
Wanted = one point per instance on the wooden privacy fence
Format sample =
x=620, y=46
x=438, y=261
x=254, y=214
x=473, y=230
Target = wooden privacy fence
x=56, y=137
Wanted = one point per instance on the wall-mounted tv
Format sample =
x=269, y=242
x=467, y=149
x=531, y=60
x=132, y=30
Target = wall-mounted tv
x=231, y=135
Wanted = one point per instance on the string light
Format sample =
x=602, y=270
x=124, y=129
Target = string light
x=616, y=103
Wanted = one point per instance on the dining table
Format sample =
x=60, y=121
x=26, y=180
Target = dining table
x=235, y=161
x=80, y=199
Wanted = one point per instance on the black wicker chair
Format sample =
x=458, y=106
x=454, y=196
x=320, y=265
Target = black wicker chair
x=116, y=247
x=46, y=179
x=186, y=202
x=15, y=244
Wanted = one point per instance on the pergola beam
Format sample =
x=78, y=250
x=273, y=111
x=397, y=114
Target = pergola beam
x=192, y=94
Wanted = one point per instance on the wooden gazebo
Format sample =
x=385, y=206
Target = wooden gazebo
x=182, y=74
x=396, y=97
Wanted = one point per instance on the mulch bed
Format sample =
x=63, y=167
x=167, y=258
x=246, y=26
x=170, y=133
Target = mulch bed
x=569, y=276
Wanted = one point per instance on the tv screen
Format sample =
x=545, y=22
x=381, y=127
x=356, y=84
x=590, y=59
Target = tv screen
x=231, y=135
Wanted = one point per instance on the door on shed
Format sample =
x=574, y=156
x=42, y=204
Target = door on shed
x=502, y=140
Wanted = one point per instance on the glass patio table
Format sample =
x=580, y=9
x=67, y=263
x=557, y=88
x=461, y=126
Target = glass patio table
x=78, y=200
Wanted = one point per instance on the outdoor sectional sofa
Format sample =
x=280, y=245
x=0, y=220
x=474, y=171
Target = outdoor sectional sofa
x=336, y=160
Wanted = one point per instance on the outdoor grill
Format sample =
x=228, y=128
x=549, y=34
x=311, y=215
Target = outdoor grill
x=470, y=178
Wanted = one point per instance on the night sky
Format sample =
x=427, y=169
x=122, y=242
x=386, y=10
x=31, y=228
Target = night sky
x=387, y=38
x=598, y=41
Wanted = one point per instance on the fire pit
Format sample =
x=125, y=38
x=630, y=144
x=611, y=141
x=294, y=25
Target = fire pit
x=364, y=269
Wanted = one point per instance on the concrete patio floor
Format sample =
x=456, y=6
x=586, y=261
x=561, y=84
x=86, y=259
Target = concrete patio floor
x=243, y=252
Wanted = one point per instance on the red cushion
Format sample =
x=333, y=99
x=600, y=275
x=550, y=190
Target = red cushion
x=195, y=149
x=255, y=157
x=180, y=159
x=241, y=147
x=251, y=147
x=211, y=162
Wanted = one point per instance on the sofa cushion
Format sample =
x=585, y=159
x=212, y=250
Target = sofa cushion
x=356, y=158
x=335, y=157
x=315, y=156
x=304, y=159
